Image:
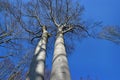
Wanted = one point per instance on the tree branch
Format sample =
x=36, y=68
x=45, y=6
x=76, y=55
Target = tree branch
x=83, y=28
x=1, y=57
x=51, y=14
x=67, y=30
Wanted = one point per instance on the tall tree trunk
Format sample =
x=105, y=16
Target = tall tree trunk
x=60, y=69
x=37, y=66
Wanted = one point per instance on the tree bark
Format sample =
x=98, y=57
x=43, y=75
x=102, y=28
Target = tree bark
x=37, y=66
x=60, y=69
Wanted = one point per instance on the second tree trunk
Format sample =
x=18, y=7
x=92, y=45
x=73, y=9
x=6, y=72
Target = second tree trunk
x=60, y=69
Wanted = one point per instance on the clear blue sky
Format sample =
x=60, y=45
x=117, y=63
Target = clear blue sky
x=99, y=59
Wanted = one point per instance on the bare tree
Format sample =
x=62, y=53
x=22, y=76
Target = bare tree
x=29, y=25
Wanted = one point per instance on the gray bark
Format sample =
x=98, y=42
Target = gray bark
x=60, y=69
x=37, y=66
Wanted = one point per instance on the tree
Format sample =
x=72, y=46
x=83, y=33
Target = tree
x=37, y=67
x=39, y=56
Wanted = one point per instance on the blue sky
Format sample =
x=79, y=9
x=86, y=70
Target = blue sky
x=97, y=58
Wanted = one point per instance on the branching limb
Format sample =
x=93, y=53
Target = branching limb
x=34, y=16
x=5, y=41
x=82, y=28
x=71, y=27
x=1, y=57
x=51, y=14
x=67, y=30
x=5, y=35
